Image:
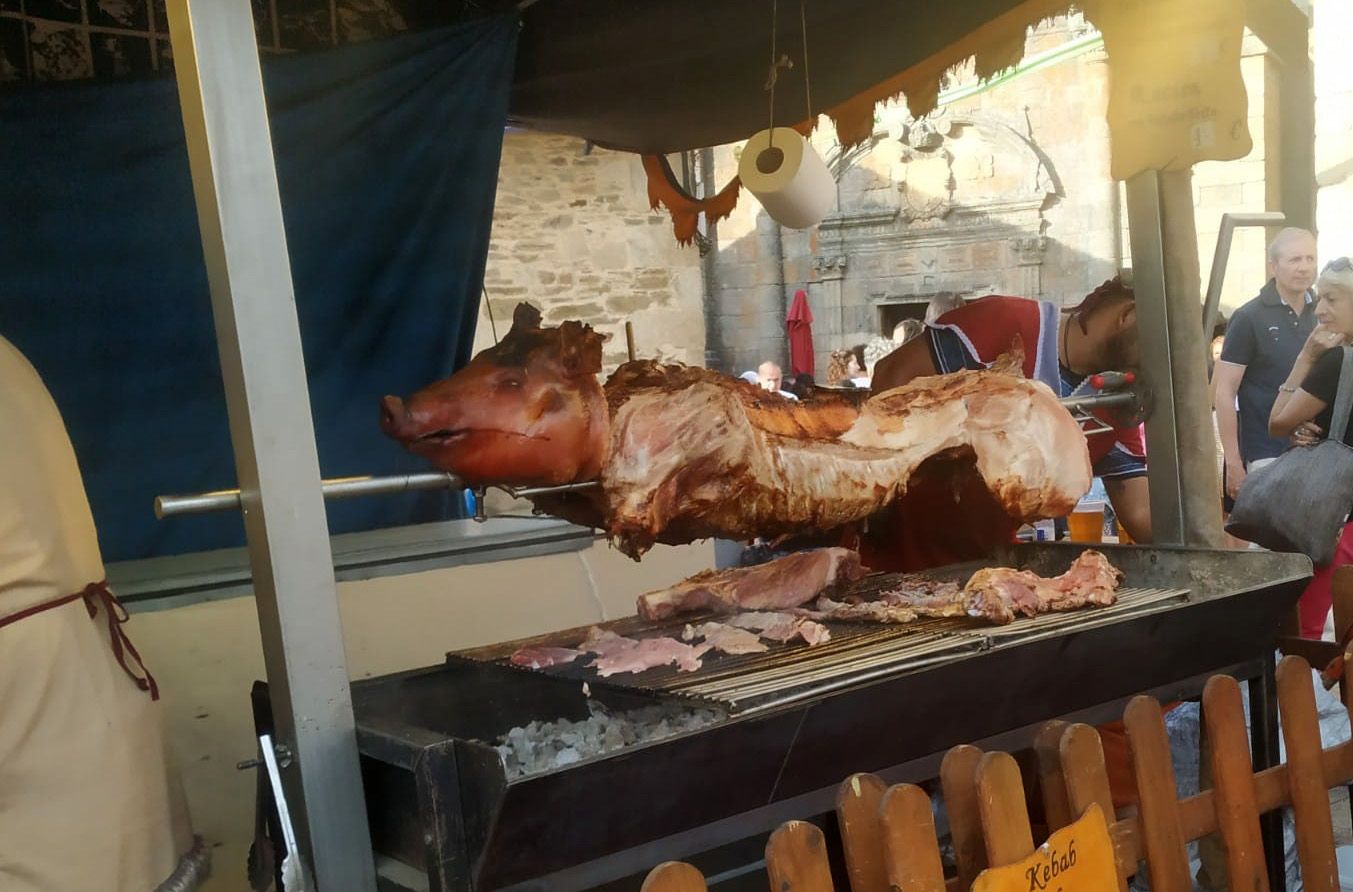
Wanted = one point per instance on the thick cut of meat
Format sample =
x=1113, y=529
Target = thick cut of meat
x=542, y=657
x=692, y=461
x=999, y=594
x=725, y=638
x=784, y=582
x=617, y=654
x=783, y=627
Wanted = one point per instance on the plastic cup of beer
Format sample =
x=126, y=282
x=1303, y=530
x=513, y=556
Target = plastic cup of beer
x=1086, y=523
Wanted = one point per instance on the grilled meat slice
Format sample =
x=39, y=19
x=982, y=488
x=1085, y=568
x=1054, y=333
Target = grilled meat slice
x=725, y=638
x=788, y=581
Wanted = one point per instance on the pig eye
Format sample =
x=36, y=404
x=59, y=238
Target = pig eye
x=511, y=383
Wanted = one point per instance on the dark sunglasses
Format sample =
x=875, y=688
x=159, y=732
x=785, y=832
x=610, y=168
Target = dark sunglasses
x=1339, y=265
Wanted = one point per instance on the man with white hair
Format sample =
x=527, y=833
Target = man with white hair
x=1262, y=342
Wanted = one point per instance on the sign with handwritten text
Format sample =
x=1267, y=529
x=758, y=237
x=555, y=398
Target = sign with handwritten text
x=1077, y=858
x=1176, y=96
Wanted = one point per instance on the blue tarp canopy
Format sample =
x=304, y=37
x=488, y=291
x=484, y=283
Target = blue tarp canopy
x=387, y=159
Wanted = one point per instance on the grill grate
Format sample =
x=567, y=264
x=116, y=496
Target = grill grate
x=857, y=652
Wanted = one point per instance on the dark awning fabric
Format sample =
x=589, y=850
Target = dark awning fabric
x=666, y=77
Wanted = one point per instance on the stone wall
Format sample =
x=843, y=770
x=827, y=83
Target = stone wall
x=573, y=234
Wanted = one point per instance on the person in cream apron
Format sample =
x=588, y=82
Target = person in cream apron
x=88, y=800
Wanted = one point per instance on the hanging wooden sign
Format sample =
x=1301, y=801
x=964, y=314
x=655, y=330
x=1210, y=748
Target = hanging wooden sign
x=1077, y=858
x=1176, y=96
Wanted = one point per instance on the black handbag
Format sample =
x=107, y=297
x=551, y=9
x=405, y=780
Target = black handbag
x=1300, y=502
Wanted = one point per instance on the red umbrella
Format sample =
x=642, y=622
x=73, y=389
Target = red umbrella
x=800, y=326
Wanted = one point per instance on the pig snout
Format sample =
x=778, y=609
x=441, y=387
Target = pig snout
x=394, y=417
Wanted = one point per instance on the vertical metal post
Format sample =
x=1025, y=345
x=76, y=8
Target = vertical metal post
x=1183, y=480
x=1264, y=754
x=240, y=216
x=1145, y=227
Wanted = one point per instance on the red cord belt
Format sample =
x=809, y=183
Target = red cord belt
x=93, y=595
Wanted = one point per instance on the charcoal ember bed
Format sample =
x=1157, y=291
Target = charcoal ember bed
x=781, y=728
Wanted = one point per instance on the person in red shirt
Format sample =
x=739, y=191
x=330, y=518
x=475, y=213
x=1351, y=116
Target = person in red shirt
x=954, y=518
x=1062, y=349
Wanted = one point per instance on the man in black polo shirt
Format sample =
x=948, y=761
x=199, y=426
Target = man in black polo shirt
x=1262, y=343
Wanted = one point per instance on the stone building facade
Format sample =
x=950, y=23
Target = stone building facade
x=573, y=234
x=1005, y=190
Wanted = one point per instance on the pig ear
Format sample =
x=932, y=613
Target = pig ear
x=579, y=348
x=525, y=317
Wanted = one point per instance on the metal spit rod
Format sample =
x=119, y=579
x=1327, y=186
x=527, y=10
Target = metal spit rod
x=338, y=488
x=347, y=487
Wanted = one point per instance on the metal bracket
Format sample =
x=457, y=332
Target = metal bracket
x=1229, y=224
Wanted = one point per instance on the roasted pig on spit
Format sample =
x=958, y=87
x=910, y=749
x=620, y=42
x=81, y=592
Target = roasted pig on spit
x=683, y=453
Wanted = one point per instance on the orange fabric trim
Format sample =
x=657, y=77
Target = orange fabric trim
x=991, y=43
x=684, y=208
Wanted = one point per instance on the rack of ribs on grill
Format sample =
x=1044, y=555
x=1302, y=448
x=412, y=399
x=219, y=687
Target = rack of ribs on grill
x=683, y=453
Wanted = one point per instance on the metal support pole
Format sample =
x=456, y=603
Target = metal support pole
x=244, y=244
x=1185, y=493
x=1264, y=754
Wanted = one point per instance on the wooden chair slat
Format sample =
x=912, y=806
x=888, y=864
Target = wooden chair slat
x=1005, y=816
x=1087, y=783
x=862, y=839
x=911, y=850
x=1237, y=815
x=674, y=876
x=1305, y=776
x=1051, y=780
x=1162, y=834
x=1087, y=780
x=796, y=859
x=958, y=783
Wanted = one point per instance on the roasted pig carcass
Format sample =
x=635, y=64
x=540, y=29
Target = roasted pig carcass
x=683, y=453
x=784, y=582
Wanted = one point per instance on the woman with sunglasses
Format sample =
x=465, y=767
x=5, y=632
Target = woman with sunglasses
x=1305, y=408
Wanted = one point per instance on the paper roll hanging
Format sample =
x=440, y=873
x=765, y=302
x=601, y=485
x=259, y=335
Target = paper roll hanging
x=788, y=177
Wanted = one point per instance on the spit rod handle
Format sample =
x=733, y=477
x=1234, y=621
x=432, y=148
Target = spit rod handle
x=337, y=488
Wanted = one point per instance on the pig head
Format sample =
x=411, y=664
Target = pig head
x=528, y=411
